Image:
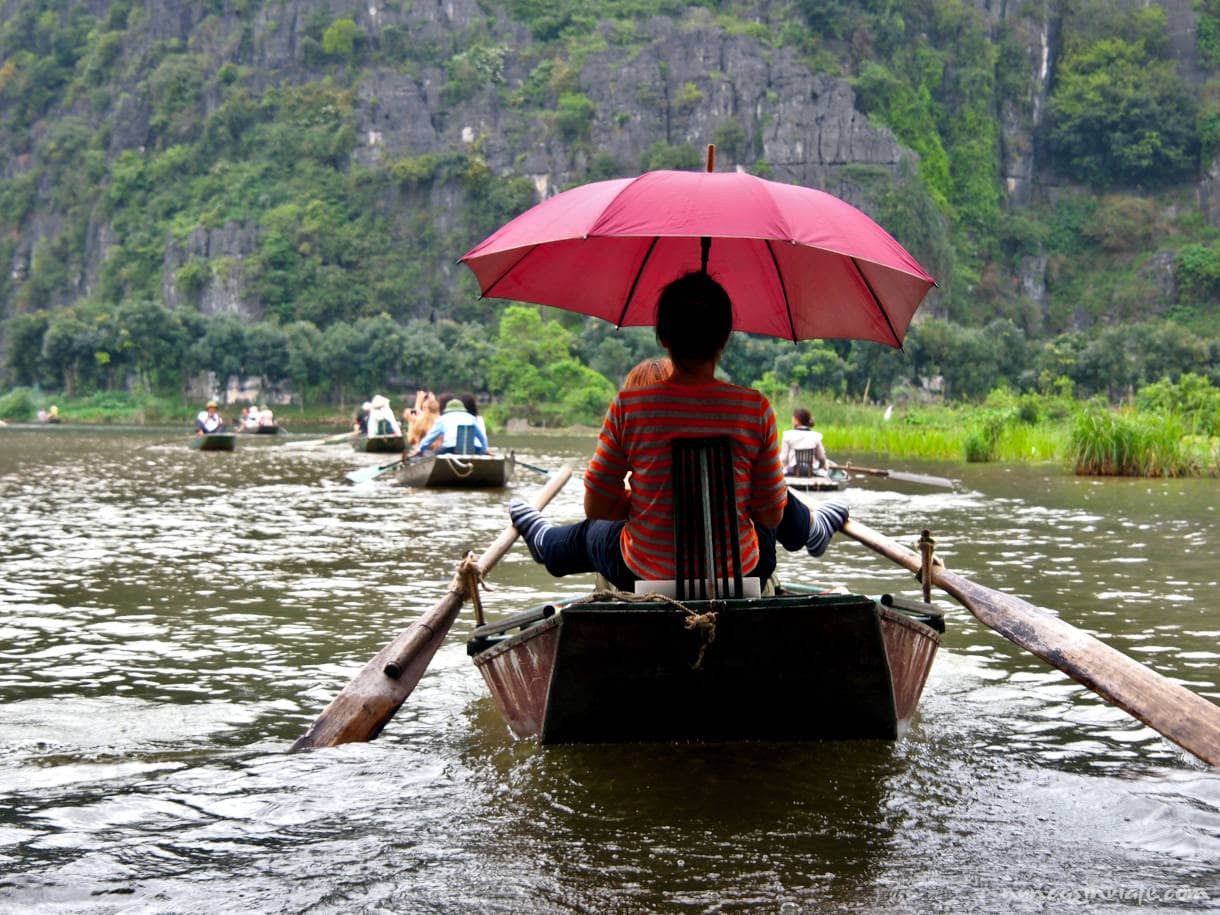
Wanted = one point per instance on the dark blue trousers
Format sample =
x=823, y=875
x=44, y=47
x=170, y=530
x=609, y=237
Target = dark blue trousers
x=595, y=546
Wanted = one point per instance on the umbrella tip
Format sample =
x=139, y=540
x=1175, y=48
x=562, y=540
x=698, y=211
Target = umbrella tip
x=711, y=157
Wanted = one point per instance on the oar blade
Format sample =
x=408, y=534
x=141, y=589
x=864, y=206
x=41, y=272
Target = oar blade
x=922, y=479
x=364, y=474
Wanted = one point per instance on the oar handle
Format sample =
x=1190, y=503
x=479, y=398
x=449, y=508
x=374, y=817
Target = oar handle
x=369, y=701
x=1186, y=718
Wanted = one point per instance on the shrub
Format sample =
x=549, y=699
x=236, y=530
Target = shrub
x=18, y=405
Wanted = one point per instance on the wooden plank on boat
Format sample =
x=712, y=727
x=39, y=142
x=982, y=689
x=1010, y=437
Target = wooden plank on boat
x=790, y=668
x=457, y=470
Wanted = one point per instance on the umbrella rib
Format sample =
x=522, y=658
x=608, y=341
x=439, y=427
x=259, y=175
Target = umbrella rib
x=876, y=301
x=636, y=282
x=515, y=264
x=779, y=275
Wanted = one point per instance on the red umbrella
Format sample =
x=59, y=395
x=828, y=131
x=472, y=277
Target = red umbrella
x=798, y=263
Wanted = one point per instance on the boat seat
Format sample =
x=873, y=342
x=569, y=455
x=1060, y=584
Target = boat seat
x=806, y=463
x=465, y=440
x=707, y=553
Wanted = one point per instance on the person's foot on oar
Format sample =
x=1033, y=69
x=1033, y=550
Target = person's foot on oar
x=823, y=522
x=530, y=525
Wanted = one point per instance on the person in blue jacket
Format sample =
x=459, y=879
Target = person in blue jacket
x=442, y=438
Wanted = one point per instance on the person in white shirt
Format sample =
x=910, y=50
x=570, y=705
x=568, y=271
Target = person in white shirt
x=800, y=438
x=382, y=420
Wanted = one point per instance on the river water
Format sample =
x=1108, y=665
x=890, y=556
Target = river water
x=170, y=621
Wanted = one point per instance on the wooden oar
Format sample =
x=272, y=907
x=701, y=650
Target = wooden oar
x=370, y=700
x=925, y=479
x=329, y=440
x=1186, y=718
x=364, y=474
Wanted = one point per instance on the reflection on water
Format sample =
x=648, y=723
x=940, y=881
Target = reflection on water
x=171, y=620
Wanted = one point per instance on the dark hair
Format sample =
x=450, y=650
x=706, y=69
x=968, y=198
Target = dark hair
x=471, y=405
x=694, y=318
x=802, y=417
x=444, y=399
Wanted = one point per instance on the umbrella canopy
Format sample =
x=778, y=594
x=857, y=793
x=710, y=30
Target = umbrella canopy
x=797, y=262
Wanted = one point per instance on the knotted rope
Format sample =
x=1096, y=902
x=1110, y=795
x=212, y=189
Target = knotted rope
x=466, y=581
x=705, y=623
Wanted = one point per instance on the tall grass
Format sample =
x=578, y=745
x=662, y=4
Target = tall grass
x=1105, y=442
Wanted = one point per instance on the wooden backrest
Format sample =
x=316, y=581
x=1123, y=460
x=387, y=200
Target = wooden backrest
x=705, y=519
x=465, y=440
x=806, y=463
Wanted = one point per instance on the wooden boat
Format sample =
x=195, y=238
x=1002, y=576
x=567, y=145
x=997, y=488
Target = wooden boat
x=214, y=441
x=835, y=479
x=379, y=444
x=800, y=665
x=461, y=470
x=261, y=430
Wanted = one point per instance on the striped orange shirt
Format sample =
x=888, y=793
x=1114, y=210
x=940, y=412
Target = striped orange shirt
x=635, y=437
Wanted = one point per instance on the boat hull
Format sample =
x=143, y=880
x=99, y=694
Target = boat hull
x=836, y=480
x=457, y=470
x=793, y=667
x=215, y=441
x=379, y=444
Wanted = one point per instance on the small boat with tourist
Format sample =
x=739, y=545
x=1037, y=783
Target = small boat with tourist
x=214, y=441
x=457, y=470
x=803, y=664
x=379, y=444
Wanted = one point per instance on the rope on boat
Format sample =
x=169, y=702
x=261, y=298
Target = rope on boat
x=466, y=581
x=459, y=468
x=705, y=623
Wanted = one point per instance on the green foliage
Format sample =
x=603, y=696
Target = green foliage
x=18, y=405
x=1193, y=399
x=339, y=39
x=1117, y=116
x=574, y=115
x=532, y=361
x=662, y=155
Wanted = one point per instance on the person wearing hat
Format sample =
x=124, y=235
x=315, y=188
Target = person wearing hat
x=382, y=420
x=360, y=423
x=442, y=438
x=209, y=421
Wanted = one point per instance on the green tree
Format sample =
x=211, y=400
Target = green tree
x=1117, y=117
x=23, y=348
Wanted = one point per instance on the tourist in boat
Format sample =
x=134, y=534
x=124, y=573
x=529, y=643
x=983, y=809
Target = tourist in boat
x=798, y=528
x=442, y=438
x=209, y=421
x=471, y=403
x=49, y=417
x=627, y=534
x=360, y=422
x=382, y=420
x=427, y=412
x=802, y=437
x=266, y=418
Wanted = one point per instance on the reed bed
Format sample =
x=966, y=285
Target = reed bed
x=1129, y=443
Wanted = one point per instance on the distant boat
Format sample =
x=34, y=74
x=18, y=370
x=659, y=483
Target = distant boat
x=835, y=479
x=214, y=441
x=457, y=470
x=261, y=430
x=379, y=444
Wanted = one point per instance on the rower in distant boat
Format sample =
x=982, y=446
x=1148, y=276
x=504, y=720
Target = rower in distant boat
x=209, y=421
x=803, y=438
x=442, y=438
